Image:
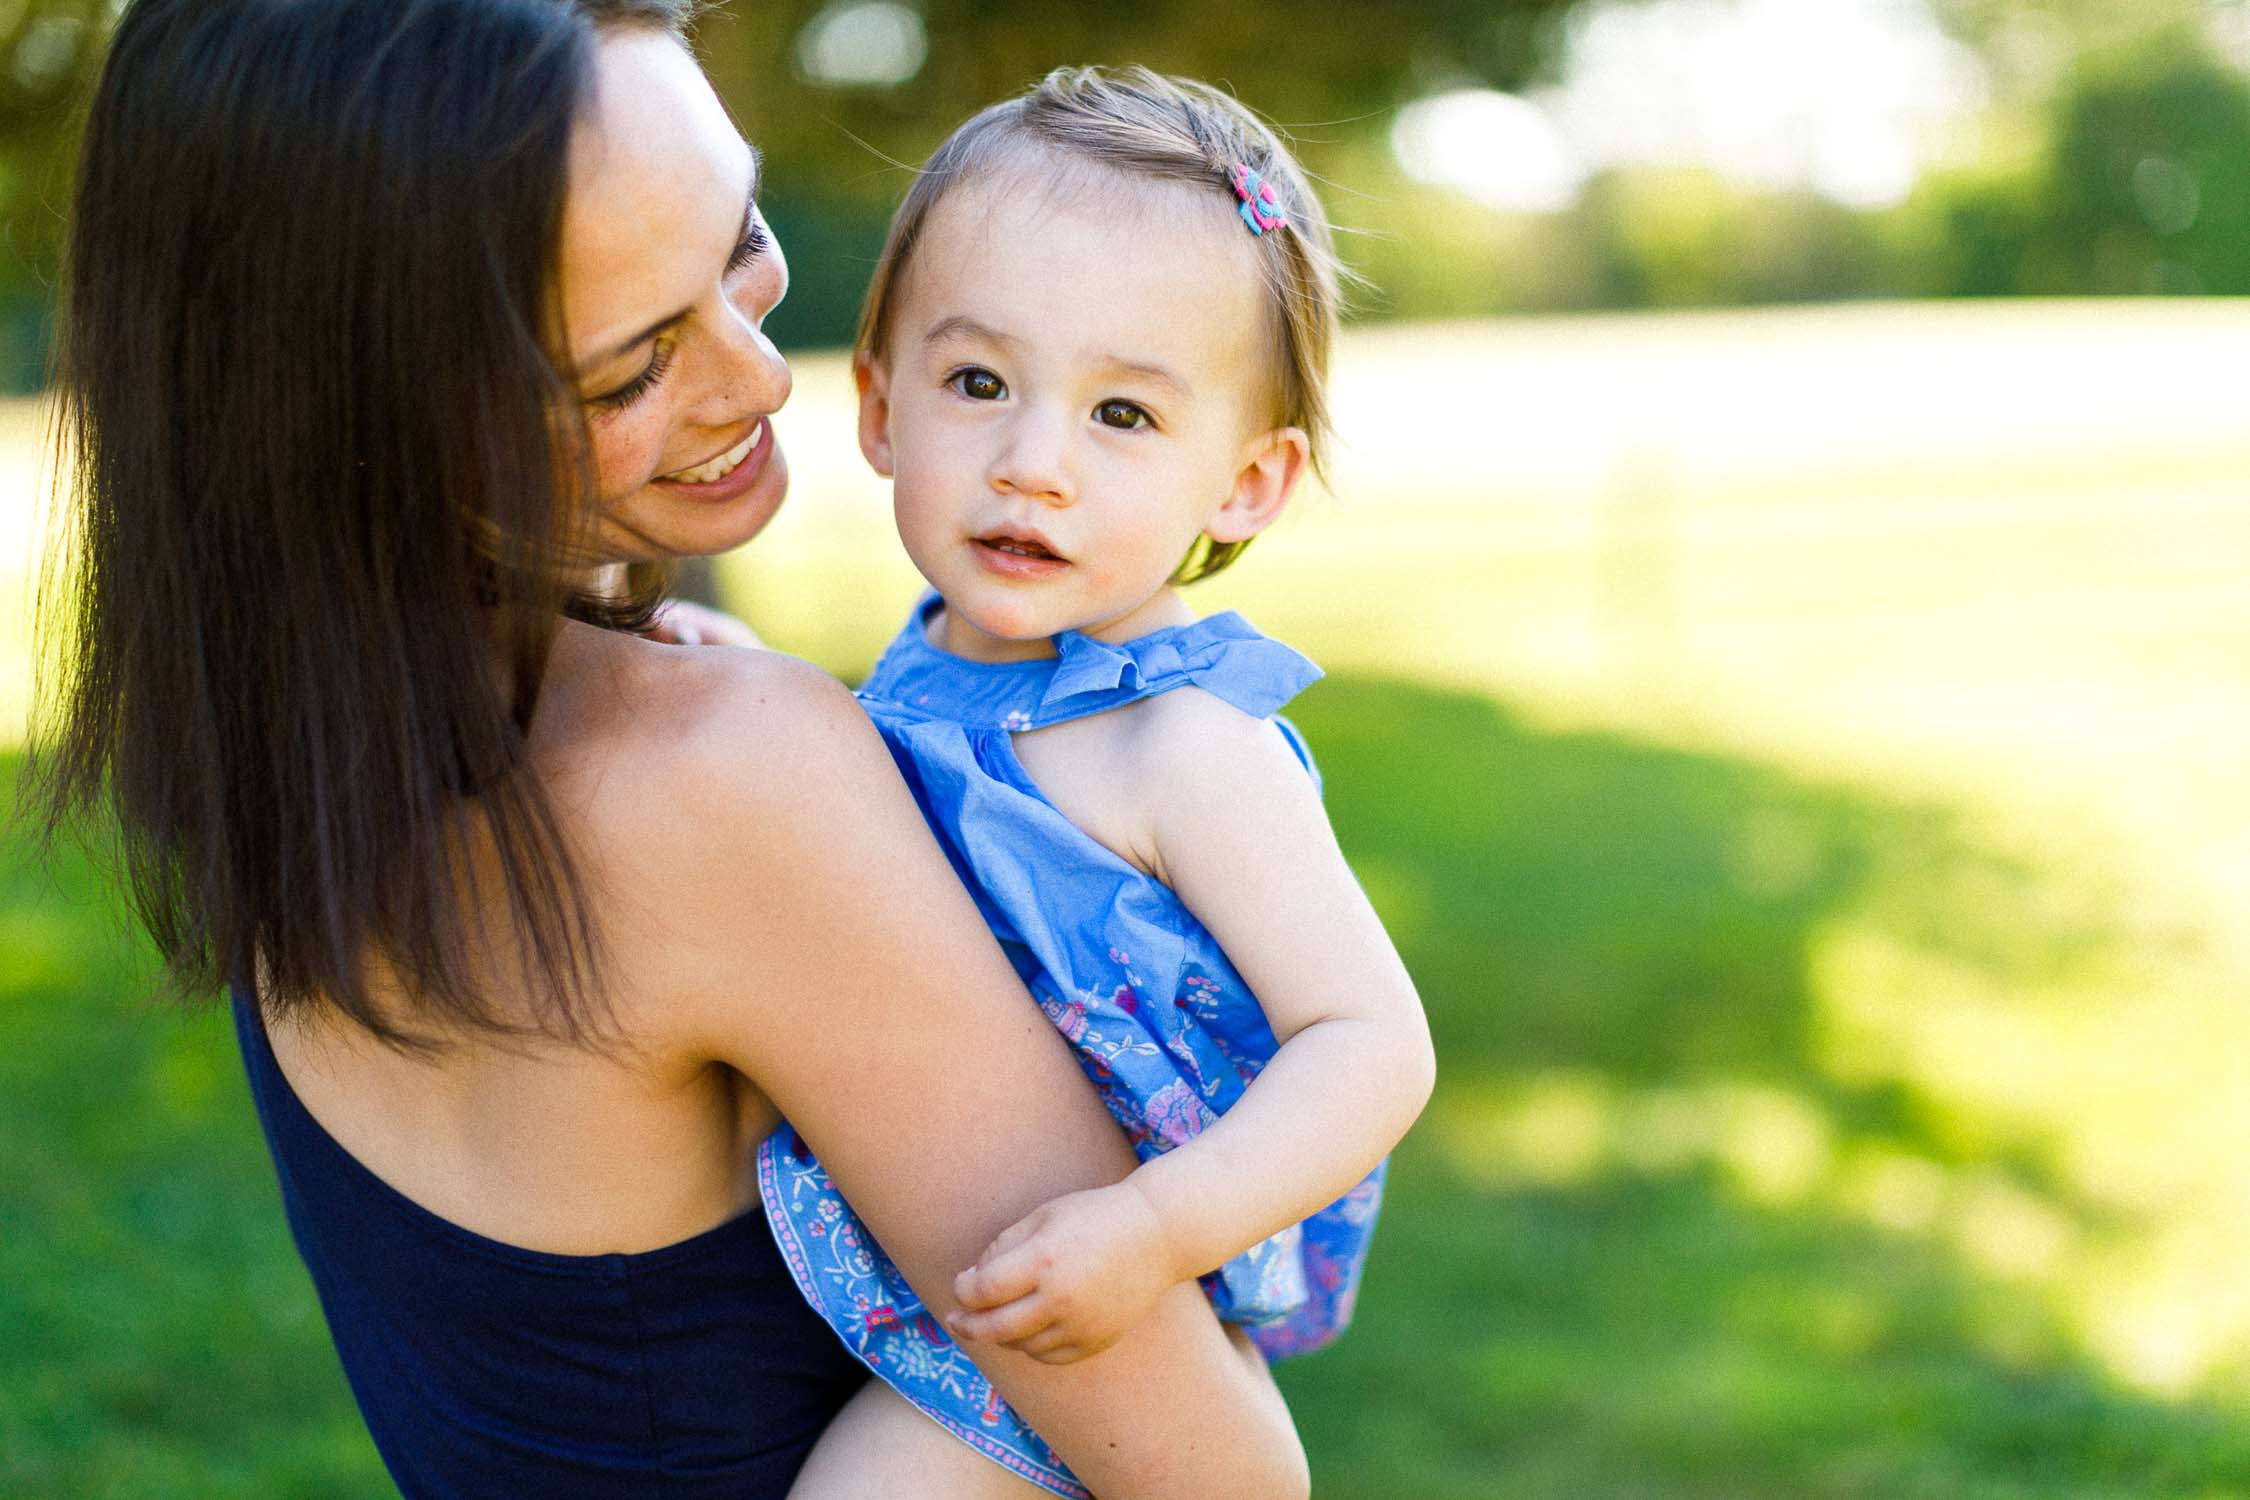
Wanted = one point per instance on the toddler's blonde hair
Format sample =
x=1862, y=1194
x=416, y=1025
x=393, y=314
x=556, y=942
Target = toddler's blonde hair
x=1154, y=128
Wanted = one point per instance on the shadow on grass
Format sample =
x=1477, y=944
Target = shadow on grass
x=1600, y=1273
x=1614, y=1263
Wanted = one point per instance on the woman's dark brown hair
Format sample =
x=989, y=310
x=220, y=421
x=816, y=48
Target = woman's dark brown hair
x=320, y=499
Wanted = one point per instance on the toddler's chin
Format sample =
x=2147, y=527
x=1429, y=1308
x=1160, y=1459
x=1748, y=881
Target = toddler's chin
x=993, y=634
x=1017, y=626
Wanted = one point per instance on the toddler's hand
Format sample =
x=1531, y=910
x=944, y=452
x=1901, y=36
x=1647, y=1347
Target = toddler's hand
x=681, y=622
x=1066, y=1280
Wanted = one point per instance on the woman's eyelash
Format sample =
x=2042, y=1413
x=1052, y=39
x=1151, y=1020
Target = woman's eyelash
x=753, y=245
x=639, y=386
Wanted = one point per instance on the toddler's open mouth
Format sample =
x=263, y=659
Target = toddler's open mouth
x=1018, y=551
x=1015, y=547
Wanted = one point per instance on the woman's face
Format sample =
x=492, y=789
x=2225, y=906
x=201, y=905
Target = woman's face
x=667, y=273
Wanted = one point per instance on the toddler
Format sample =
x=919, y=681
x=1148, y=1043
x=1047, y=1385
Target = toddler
x=1092, y=363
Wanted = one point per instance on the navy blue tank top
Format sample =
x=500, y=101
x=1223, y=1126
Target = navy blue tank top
x=485, y=1370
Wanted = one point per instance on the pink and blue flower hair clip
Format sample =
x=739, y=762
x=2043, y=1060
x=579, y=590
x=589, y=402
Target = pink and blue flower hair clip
x=1260, y=209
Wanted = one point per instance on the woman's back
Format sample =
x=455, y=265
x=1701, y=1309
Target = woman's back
x=541, y=1142
x=543, y=1264
x=483, y=1368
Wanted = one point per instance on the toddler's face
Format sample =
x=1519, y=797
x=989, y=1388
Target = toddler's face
x=1071, y=396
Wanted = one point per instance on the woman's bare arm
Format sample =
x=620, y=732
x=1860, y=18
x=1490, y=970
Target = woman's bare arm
x=823, y=946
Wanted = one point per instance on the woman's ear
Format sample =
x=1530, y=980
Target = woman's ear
x=1272, y=463
x=874, y=382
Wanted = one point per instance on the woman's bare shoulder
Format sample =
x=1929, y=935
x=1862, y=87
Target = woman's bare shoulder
x=732, y=800
x=776, y=742
x=719, y=728
x=724, y=707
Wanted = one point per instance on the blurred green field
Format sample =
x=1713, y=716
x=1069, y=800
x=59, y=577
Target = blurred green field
x=1798, y=754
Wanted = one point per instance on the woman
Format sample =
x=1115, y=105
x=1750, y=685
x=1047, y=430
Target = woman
x=398, y=332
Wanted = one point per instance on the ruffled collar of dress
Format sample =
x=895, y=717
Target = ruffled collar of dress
x=1223, y=654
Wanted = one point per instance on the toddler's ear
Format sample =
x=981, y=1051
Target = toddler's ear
x=874, y=382
x=1272, y=463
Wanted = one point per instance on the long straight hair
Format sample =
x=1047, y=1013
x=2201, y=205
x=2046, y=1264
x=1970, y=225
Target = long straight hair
x=326, y=484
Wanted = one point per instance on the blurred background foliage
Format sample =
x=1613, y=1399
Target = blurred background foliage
x=1797, y=749
x=1490, y=155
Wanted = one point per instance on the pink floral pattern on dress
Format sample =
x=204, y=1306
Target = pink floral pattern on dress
x=1176, y=1113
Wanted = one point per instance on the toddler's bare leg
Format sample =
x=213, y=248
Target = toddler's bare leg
x=879, y=1447
x=1256, y=1363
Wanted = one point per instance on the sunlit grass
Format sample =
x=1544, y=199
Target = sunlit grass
x=22, y=521
x=1993, y=557
x=1798, y=753
x=1794, y=1138
x=1987, y=547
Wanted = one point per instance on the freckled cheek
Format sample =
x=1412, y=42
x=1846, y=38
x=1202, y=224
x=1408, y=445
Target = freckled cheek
x=627, y=449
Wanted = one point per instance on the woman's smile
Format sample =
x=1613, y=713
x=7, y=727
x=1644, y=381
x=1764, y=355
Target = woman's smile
x=731, y=474
x=667, y=265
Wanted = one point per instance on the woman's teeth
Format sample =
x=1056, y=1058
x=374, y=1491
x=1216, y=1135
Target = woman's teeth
x=720, y=467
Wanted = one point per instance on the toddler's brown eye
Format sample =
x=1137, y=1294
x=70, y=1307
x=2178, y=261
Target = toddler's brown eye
x=980, y=385
x=1121, y=414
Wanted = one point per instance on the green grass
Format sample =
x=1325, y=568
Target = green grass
x=158, y=1336
x=1799, y=755
x=1584, y=1284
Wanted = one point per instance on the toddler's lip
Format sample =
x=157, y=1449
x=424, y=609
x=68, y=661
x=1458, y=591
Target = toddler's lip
x=1007, y=555
x=1021, y=541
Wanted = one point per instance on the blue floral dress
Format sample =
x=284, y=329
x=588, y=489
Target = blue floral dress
x=1162, y=1023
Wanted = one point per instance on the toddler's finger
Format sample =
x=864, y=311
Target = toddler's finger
x=1001, y=1325
x=1015, y=1234
x=1056, y=1344
x=728, y=631
x=1010, y=1237
x=998, y=1276
x=690, y=623
x=698, y=625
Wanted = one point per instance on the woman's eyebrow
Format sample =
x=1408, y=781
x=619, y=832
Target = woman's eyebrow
x=749, y=216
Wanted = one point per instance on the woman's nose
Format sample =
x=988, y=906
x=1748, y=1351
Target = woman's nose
x=1032, y=460
x=752, y=378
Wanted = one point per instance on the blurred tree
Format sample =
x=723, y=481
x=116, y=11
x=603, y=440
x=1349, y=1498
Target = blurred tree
x=1331, y=71
x=2151, y=173
x=2114, y=156
x=47, y=56
x=2137, y=181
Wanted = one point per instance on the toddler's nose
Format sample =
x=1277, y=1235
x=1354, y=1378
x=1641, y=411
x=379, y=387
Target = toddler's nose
x=1032, y=460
